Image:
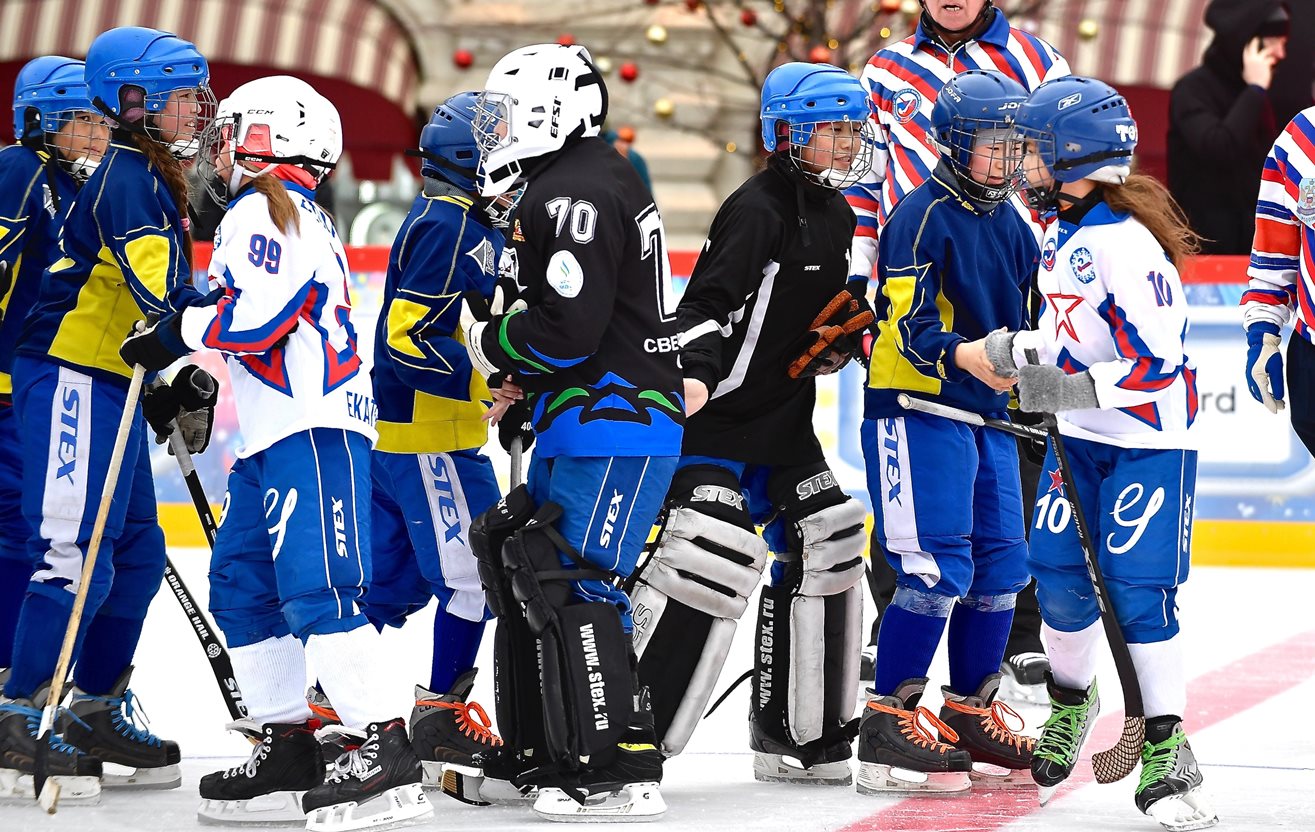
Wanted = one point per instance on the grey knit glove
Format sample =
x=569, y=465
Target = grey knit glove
x=1000, y=352
x=1045, y=388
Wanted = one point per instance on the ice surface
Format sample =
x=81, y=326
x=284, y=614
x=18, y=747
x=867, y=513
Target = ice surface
x=1250, y=657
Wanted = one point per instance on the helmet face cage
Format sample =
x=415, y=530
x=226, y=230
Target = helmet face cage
x=501, y=207
x=986, y=156
x=492, y=127
x=834, y=154
x=77, y=139
x=215, y=142
x=1036, y=179
x=180, y=130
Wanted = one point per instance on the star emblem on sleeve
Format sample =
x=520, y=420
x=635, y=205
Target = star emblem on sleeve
x=1056, y=482
x=1064, y=306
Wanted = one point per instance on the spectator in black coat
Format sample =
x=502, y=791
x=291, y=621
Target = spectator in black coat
x=1221, y=122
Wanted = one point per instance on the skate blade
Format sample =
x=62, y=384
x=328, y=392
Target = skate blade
x=773, y=768
x=1001, y=779
x=633, y=803
x=469, y=785
x=391, y=809
x=1184, y=812
x=1012, y=691
x=274, y=809
x=115, y=776
x=70, y=791
x=876, y=778
x=1044, y=793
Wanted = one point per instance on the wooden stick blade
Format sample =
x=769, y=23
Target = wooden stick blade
x=41, y=765
x=1118, y=762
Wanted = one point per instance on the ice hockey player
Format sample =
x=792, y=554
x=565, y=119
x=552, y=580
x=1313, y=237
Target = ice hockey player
x=765, y=312
x=904, y=79
x=590, y=339
x=955, y=263
x=1280, y=277
x=292, y=558
x=125, y=253
x=61, y=139
x=429, y=477
x=1110, y=346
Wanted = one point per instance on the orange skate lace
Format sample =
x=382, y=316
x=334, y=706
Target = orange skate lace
x=994, y=724
x=471, y=719
x=914, y=730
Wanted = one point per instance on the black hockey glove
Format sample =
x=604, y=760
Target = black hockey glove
x=517, y=421
x=188, y=403
x=157, y=345
x=835, y=335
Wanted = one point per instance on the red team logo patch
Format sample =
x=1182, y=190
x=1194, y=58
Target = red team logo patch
x=905, y=105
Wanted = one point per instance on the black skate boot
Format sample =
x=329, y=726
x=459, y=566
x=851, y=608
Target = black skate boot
x=373, y=785
x=448, y=730
x=626, y=789
x=268, y=787
x=76, y=773
x=1005, y=756
x=1024, y=678
x=106, y=727
x=898, y=753
x=1072, y=715
x=823, y=762
x=1171, y=788
x=490, y=780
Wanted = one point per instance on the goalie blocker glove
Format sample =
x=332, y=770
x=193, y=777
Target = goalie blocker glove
x=835, y=335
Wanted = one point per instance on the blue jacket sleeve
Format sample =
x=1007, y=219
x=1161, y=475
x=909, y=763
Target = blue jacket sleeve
x=437, y=259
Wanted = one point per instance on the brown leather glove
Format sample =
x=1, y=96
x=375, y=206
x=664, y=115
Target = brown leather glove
x=834, y=336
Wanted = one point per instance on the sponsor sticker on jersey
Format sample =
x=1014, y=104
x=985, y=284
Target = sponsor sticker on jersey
x=904, y=106
x=1305, y=208
x=516, y=235
x=1083, y=265
x=1048, y=254
x=565, y=275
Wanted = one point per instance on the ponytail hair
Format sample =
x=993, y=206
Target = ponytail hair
x=1151, y=203
x=281, y=210
x=162, y=160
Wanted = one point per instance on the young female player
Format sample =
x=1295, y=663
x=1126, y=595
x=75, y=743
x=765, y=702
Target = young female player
x=125, y=253
x=1110, y=346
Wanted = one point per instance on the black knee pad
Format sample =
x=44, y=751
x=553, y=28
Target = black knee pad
x=488, y=532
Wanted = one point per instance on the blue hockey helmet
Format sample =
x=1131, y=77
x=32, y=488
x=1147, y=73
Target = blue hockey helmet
x=802, y=96
x=974, y=115
x=447, y=143
x=1082, y=129
x=45, y=91
x=132, y=71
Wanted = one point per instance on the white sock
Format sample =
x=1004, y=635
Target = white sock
x=1072, y=655
x=272, y=674
x=350, y=666
x=1160, y=675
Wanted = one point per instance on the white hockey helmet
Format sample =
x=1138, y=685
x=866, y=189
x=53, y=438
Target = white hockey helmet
x=274, y=124
x=536, y=98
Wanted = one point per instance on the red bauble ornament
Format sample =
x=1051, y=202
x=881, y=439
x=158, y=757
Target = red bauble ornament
x=628, y=72
x=463, y=58
x=693, y=5
x=651, y=2
x=819, y=54
x=748, y=17
x=566, y=40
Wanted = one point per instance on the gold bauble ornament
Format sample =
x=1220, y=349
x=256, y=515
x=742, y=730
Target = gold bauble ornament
x=664, y=108
x=604, y=64
x=1088, y=29
x=656, y=34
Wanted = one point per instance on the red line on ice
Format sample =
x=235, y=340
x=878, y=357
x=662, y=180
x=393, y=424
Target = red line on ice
x=1216, y=696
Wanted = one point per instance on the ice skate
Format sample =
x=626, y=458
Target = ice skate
x=1171, y=789
x=1024, y=678
x=1072, y=715
x=898, y=753
x=775, y=761
x=490, y=781
x=1002, y=758
x=77, y=774
x=374, y=786
x=335, y=740
x=448, y=730
x=107, y=727
x=267, y=789
x=623, y=791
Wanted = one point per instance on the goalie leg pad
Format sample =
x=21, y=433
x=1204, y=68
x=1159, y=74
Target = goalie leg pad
x=691, y=591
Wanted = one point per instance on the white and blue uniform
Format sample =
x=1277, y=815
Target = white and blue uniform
x=1114, y=307
x=293, y=551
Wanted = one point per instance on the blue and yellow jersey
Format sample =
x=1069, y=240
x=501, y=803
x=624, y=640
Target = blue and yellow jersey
x=34, y=198
x=121, y=257
x=948, y=272
x=430, y=399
